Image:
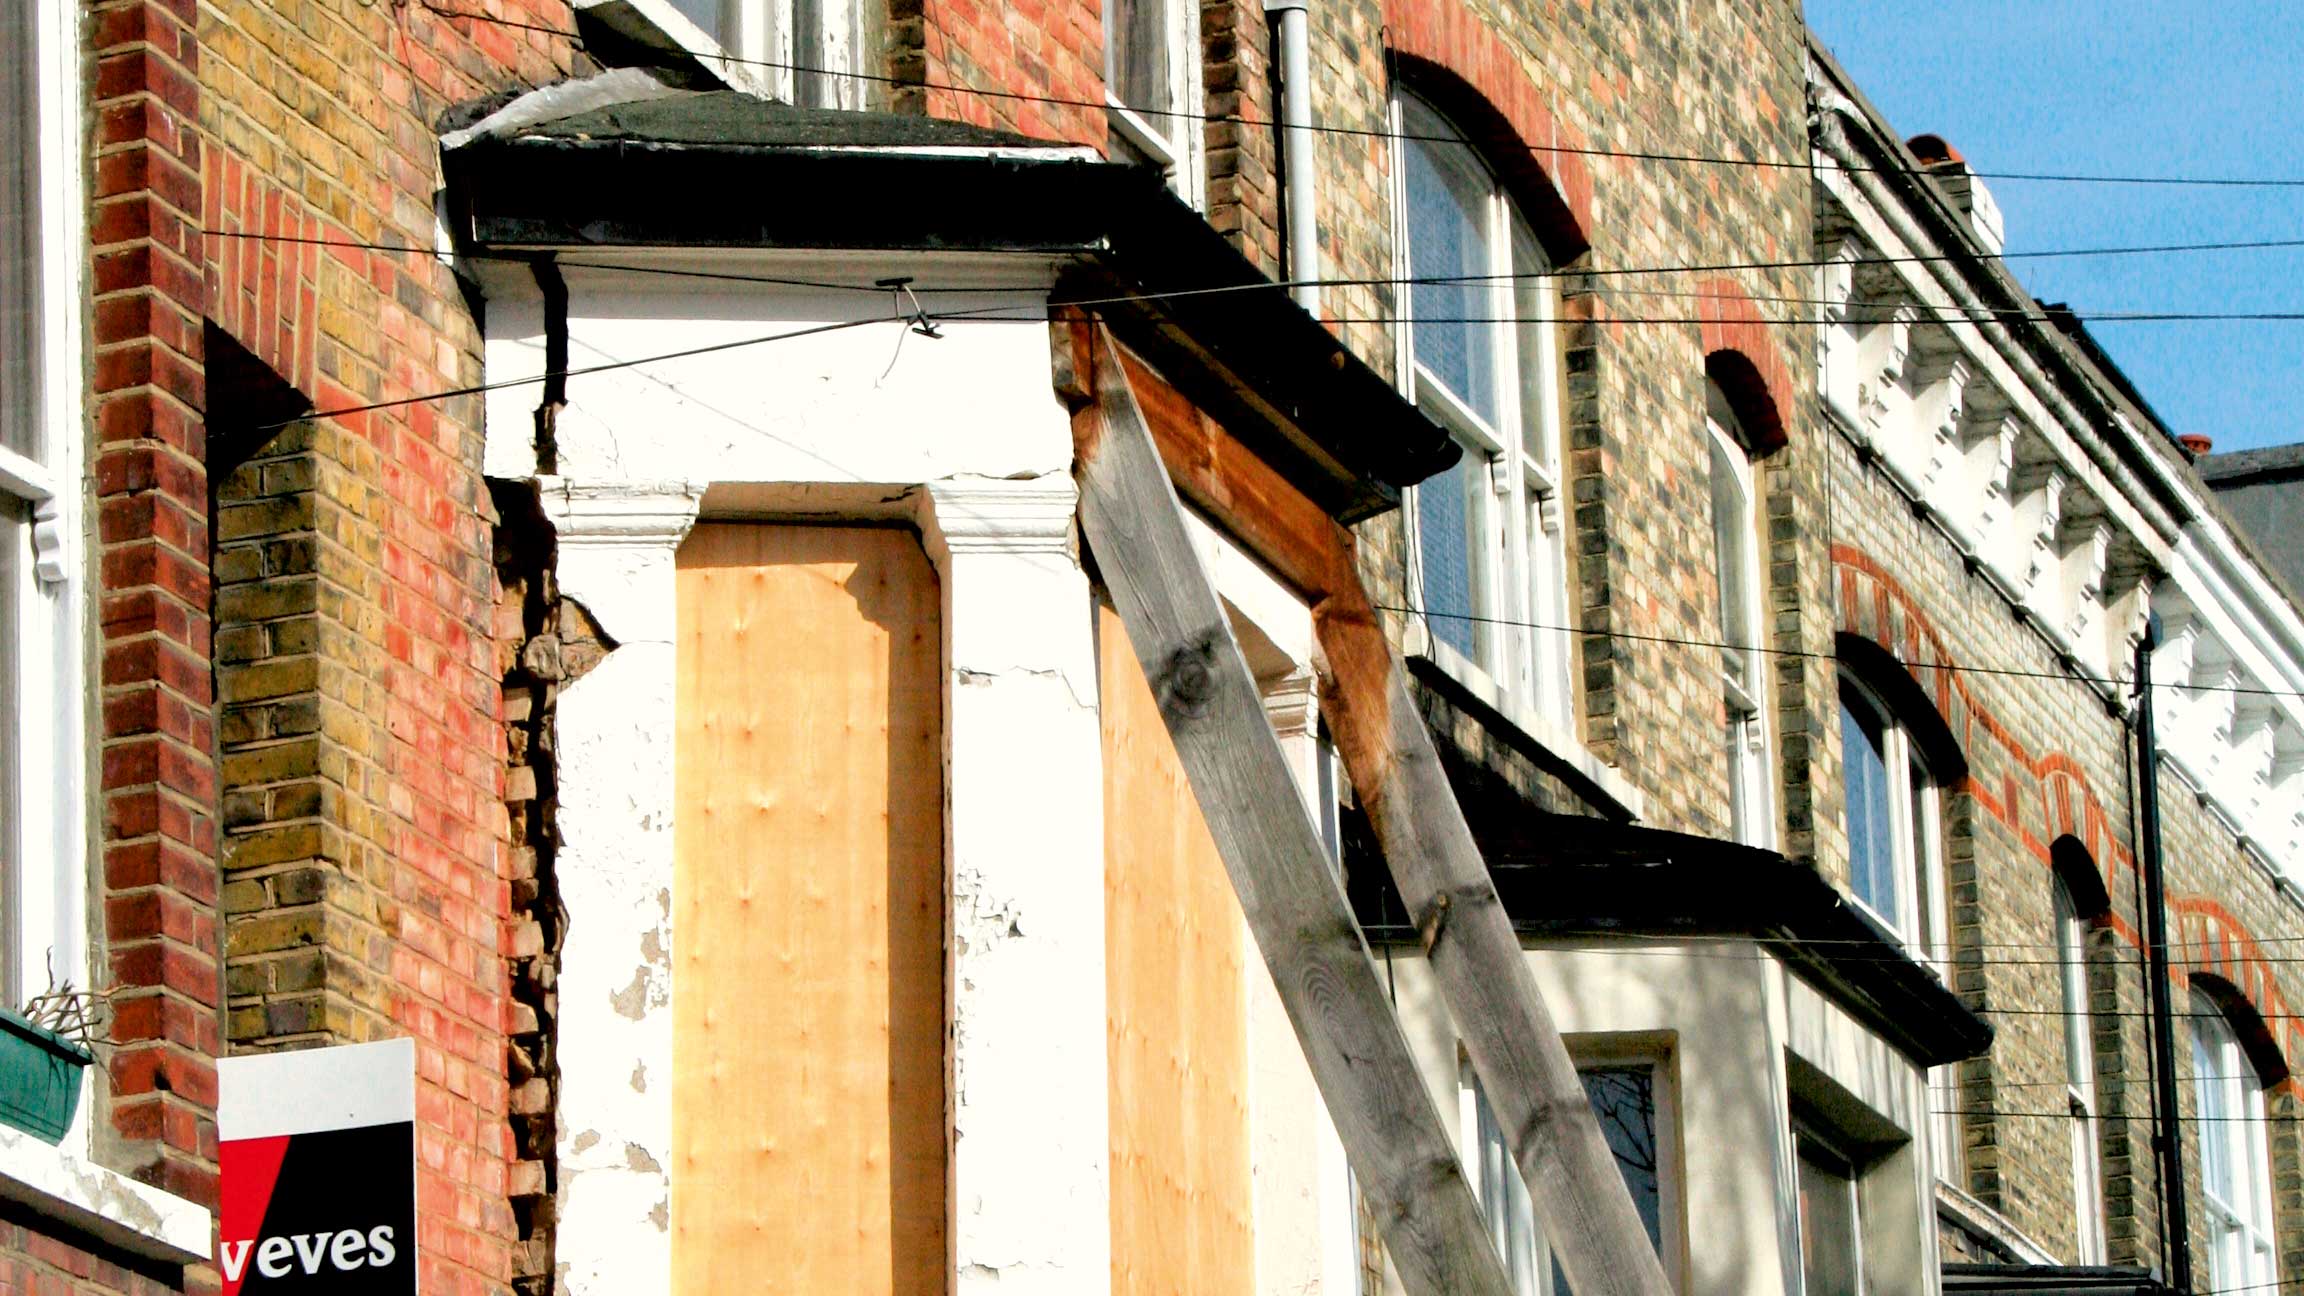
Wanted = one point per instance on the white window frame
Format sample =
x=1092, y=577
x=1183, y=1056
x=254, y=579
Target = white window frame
x=1170, y=138
x=1751, y=799
x=1522, y=648
x=1518, y=1237
x=2089, y=1246
x=2235, y=1156
x=756, y=46
x=1916, y=836
x=42, y=841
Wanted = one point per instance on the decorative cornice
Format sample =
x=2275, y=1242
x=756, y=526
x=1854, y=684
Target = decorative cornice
x=629, y=514
x=1028, y=515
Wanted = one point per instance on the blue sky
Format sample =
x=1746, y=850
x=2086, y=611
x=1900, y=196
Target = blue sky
x=2133, y=88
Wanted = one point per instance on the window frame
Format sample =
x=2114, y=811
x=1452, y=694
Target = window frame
x=2228, y=1100
x=1476, y=1123
x=754, y=46
x=1518, y=577
x=1915, y=832
x=1170, y=137
x=1810, y=1147
x=1751, y=796
x=2090, y=1244
x=41, y=589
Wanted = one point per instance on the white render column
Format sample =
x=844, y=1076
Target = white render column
x=1030, y=1184
x=616, y=736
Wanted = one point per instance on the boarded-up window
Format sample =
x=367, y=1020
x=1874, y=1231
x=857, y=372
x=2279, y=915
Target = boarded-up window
x=1176, y=1013
x=809, y=1127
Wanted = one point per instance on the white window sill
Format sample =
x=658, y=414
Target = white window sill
x=1534, y=730
x=60, y=1183
x=657, y=25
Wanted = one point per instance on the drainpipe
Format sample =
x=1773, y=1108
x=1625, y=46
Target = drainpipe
x=2164, y=1134
x=1302, y=223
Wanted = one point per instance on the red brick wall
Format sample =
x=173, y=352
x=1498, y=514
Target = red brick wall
x=37, y=1262
x=307, y=846
x=157, y=731
x=1024, y=50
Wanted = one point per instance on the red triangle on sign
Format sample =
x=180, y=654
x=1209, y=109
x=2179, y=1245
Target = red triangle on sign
x=249, y=1168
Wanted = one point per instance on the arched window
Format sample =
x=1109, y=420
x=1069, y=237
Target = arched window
x=1481, y=355
x=2080, y=1074
x=1895, y=819
x=2235, y=1164
x=1736, y=559
x=1895, y=822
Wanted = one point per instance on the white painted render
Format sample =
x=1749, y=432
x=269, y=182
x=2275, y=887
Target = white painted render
x=962, y=435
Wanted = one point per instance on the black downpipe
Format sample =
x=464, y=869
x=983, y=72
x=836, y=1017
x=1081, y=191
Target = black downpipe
x=2164, y=1132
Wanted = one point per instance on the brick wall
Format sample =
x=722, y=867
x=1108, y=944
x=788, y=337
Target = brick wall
x=1549, y=90
x=294, y=615
x=39, y=1258
x=2047, y=761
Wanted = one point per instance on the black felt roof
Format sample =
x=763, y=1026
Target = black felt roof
x=729, y=119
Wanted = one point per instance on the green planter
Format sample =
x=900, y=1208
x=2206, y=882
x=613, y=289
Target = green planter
x=39, y=1078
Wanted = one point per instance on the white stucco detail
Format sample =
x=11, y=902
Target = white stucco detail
x=1030, y=1180
x=616, y=742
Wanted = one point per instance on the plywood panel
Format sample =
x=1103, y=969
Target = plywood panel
x=1175, y=1020
x=809, y=1126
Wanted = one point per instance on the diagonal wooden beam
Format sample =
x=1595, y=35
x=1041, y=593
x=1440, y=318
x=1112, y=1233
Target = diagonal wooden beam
x=1294, y=904
x=1509, y=1034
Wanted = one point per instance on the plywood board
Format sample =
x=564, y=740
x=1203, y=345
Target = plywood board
x=1175, y=1011
x=809, y=1127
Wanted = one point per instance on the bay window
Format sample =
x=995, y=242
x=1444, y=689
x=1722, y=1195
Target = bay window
x=1480, y=355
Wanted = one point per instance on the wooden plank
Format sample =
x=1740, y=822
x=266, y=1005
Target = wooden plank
x=808, y=977
x=1176, y=1020
x=1500, y=1015
x=1508, y=1032
x=1393, y=1134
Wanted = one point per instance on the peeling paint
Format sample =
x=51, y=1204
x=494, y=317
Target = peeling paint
x=640, y=1077
x=661, y=1216
x=632, y=1000
x=639, y=1159
x=586, y=1141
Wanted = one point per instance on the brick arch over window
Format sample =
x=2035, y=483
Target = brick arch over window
x=1742, y=356
x=2221, y=958
x=1453, y=59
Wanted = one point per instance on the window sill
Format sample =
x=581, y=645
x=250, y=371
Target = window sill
x=1537, y=735
x=61, y=1183
x=656, y=25
x=1979, y=1220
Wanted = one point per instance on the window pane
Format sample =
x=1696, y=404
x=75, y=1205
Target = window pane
x=1732, y=552
x=2071, y=959
x=1532, y=309
x=1828, y=1247
x=1871, y=831
x=1136, y=56
x=19, y=242
x=703, y=13
x=1448, y=201
x=1447, y=541
x=1504, y=1199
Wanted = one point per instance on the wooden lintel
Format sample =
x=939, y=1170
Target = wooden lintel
x=1294, y=904
x=1509, y=1034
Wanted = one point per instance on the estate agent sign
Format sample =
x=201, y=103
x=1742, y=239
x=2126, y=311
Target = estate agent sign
x=318, y=1153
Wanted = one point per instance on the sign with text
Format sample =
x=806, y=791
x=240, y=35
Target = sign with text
x=318, y=1157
